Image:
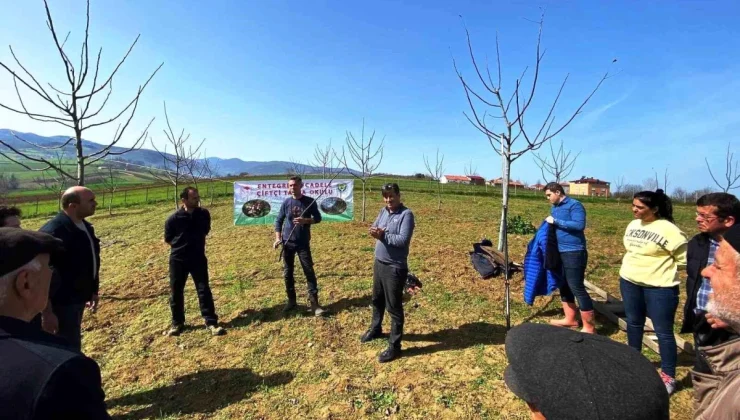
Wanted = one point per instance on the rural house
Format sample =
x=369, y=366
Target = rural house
x=462, y=179
x=589, y=187
x=498, y=182
x=454, y=179
x=537, y=187
x=477, y=180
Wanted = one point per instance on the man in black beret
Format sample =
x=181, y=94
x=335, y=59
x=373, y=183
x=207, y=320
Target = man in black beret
x=563, y=374
x=41, y=377
x=717, y=392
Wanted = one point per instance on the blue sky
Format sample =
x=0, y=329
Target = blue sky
x=270, y=80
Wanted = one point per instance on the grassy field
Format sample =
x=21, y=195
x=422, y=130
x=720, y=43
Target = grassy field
x=273, y=367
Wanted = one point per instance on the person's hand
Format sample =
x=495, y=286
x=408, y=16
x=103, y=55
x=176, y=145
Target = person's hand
x=93, y=304
x=717, y=323
x=376, y=232
x=277, y=243
x=49, y=322
x=550, y=220
x=302, y=220
x=413, y=290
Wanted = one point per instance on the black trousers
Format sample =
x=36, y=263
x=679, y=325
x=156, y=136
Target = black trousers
x=705, y=335
x=388, y=283
x=179, y=270
x=304, y=256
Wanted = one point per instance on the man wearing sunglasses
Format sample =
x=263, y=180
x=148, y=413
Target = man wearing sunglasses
x=392, y=231
x=716, y=213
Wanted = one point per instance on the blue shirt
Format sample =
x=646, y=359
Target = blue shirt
x=290, y=209
x=570, y=220
x=702, y=297
x=393, y=247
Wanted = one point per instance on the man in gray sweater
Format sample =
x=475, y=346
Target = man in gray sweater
x=392, y=230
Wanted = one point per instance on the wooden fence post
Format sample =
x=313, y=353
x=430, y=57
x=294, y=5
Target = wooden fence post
x=37, y=207
x=146, y=196
x=125, y=196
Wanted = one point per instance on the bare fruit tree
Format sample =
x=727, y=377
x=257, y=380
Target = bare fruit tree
x=210, y=170
x=561, y=165
x=732, y=174
x=324, y=158
x=179, y=165
x=435, y=172
x=470, y=171
x=74, y=106
x=111, y=183
x=665, y=181
x=650, y=184
x=295, y=167
x=681, y=194
x=619, y=186
x=54, y=180
x=503, y=120
x=364, y=156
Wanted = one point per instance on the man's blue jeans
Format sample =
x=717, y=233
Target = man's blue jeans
x=659, y=303
x=574, y=271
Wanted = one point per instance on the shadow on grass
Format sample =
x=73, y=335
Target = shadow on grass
x=134, y=297
x=275, y=313
x=467, y=335
x=198, y=393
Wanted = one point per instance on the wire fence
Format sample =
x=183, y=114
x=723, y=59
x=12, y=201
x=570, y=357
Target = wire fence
x=48, y=204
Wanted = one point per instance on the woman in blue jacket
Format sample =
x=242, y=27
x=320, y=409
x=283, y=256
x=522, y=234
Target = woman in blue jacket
x=569, y=218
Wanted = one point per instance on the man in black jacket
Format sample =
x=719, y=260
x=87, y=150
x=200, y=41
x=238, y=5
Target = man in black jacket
x=76, y=279
x=185, y=231
x=42, y=377
x=715, y=214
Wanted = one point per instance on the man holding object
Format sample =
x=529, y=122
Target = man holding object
x=293, y=230
x=392, y=231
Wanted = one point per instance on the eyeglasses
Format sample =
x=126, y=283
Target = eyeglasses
x=390, y=187
x=705, y=217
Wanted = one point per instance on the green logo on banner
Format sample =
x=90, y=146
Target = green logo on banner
x=341, y=187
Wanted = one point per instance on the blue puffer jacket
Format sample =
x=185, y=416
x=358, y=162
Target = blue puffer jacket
x=539, y=281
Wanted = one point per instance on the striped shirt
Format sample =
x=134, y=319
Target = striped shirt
x=702, y=298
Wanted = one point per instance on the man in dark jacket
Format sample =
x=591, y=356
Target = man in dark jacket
x=41, y=377
x=293, y=230
x=76, y=275
x=185, y=231
x=715, y=214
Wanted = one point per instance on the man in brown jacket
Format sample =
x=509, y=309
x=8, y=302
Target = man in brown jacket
x=718, y=392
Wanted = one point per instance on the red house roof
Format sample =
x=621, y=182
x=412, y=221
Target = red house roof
x=511, y=182
x=457, y=178
x=590, y=180
x=476, y=177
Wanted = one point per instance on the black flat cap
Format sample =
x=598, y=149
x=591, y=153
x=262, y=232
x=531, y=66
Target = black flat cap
x=732, y=236
x=571, y=375
x=19, y=246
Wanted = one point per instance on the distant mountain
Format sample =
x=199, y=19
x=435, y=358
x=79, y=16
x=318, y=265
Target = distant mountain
x=147, y=158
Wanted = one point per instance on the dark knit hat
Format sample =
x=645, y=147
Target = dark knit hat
x=732, y=237
x=571, y=375
x=18, y=247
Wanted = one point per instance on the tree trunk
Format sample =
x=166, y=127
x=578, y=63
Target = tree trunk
x=363, y=199
x=110, y=204
x=80, y=158
x=439, y=196
x=175, y=194
x=506, y=170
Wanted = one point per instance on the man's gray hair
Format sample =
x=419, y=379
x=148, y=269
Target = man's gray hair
x=6, y=280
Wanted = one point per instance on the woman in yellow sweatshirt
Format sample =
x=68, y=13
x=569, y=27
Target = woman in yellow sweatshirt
x=656, y=248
